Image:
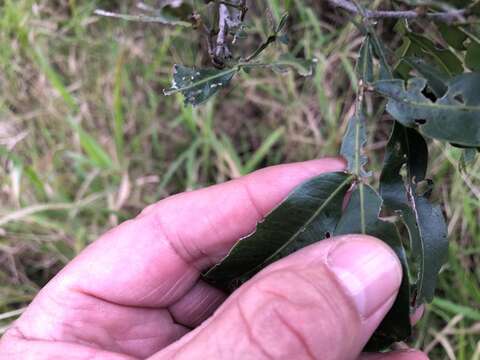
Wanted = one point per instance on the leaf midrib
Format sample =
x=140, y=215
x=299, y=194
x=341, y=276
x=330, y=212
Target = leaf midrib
x=327, y=201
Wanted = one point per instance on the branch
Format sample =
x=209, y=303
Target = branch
x=230, y=17
x=446, y=16
x=221, y=50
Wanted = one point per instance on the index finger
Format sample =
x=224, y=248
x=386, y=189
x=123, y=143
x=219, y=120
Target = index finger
x=155, y=259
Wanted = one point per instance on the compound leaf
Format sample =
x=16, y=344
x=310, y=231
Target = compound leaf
x=454, y=118
x=309, y=214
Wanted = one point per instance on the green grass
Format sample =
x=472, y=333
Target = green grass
x=87, y=140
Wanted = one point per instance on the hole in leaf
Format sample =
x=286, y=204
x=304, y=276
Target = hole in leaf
x=429, y=94
x=425, y=188
x=459, y=98
x=420, y=121
x=414, y=297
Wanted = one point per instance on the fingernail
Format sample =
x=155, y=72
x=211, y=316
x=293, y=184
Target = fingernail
x=369, y=272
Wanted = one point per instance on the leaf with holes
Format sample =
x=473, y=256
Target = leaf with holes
x=428, y=244
x=437, y=80
x=352, y=145
x=455, y=117
x=309, y=214
x=199, y=85
x=362, y=216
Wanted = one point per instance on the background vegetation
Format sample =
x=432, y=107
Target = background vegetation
x=87, y=139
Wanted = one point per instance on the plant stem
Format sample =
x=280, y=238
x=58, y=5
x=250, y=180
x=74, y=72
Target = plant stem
x=446, y=16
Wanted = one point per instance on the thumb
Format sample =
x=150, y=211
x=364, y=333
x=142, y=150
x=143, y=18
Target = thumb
x=323, y=302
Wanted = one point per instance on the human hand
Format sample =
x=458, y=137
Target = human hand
x=135, y=293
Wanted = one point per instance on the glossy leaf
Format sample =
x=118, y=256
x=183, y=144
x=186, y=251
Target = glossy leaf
x=362, y=212
x=307, y=215
x=433, y=233
x=407, y=147
x=352, y=146
x=198, y=85
x=454, y=118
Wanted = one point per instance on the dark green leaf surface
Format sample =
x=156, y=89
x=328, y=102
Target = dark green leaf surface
x=472, y=58
x=454, y=118
x=446, y=59
x=352, y=145
x=198, y=85
x=452, y=35
x=437, y=80
x=407, y=147
x=307, y=215
x=433, y=232
x=364, y=207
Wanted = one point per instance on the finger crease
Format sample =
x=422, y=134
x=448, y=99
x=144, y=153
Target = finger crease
x=251, y=338
x=295, y=333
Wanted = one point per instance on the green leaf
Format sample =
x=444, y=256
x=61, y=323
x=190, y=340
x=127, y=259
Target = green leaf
x=427, y=242
x=380, y=53
x=437, y=80
x=472, y=58
x=352, y=146
x=454, y=118
x=309, y=214
x=433, y=232
x=362, y=212
x=364, y=67
x=446, y=59
x=452, y=35
x=197, y=86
